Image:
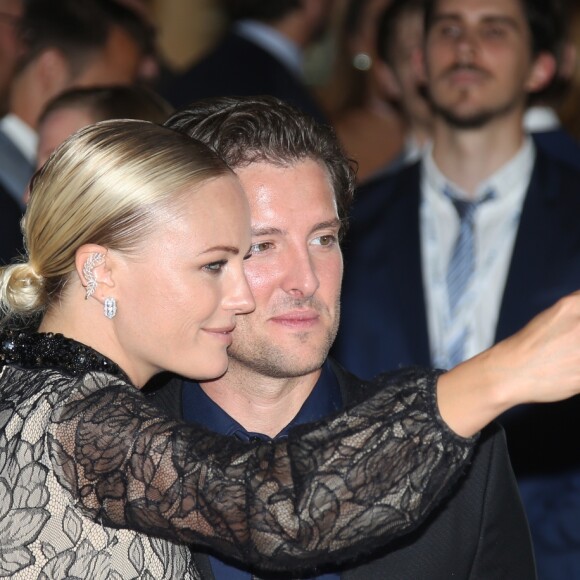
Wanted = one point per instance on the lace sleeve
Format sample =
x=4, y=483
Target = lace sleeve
x=333, y=489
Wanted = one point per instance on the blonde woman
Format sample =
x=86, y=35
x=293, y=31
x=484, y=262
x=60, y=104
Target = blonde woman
x=135, y=240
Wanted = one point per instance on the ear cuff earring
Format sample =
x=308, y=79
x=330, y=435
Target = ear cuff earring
x=110, y=307
x=88, y=272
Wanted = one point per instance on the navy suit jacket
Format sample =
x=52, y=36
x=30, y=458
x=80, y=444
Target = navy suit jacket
x=15, y=169
x=384, y=324
x=383, y=319
x=239, y=67
x=479, y=533
x=11, y=244
x=559, y=144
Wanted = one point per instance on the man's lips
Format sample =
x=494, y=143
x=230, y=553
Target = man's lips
x=297, y=319
x=466, y=75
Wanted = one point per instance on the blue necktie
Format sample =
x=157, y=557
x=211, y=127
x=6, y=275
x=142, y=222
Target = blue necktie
x=461, y=268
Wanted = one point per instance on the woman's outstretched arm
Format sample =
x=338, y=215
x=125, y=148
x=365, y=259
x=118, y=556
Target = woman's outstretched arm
x=539, y=364
x=331, y=491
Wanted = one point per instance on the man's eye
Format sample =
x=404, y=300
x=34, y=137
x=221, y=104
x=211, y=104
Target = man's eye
x=259, y=247
x=494, y=32
x=449, y=31
x=327, y=240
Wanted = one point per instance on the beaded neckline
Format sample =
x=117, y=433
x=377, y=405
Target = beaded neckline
x=49, y=350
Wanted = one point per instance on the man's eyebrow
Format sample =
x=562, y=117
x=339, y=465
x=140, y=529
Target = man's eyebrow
x=446, y=16
x=333, y=223
x=501, y=19
x=486, y=19
x=267, y=231
x=273, y=231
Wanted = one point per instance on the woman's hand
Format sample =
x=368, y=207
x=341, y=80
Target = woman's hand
x=538, y=364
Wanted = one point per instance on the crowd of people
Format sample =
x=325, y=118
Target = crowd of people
x=190, y=384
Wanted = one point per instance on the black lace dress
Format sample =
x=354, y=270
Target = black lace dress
x=94, y=483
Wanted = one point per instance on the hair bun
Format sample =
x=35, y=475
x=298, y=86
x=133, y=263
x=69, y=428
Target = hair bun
x=21, y=290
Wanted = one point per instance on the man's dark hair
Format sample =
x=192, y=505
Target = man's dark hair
x=78, y=28
x=245, y=130
x=263, y=10
x=354, y=15
x=389, y=22
x=112, y=102
x=544, y=19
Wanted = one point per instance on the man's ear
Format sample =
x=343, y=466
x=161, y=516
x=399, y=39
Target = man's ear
x=419, y=66
x=53, y=71
x=387, y=80
x=542, y=73
x=93, y=267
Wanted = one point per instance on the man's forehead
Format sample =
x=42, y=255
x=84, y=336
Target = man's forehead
x=302, y=176
x=482, y=9
x=289, y=191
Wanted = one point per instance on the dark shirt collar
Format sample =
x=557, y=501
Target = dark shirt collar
x=325, y=399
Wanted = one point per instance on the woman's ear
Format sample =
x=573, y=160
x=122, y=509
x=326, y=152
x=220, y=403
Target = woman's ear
x=94, y=270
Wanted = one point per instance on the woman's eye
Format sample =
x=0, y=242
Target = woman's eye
x=215, y=267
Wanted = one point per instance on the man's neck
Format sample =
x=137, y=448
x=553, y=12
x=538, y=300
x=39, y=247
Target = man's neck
x=259, y=403
x=468, y=157
x=295, y=28
x=420, y=134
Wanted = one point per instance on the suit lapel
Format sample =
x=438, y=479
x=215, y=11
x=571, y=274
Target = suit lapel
x=405, y=247
x=532, y=250
x=15, y=169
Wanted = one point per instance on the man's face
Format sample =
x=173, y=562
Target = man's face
x=295, y=271
x=320, y=18
x=407, y=42
x=116, y=64
x=478, y=60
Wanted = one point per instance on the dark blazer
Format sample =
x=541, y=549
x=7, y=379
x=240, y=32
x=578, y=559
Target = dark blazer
x=383, y=318
x=15, y=169
x=480, y=533
x=559, y=144
x=238, y=67
x=11, y=244
x=384, y=325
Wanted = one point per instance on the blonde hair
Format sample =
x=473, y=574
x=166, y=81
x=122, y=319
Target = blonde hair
x=109, y=184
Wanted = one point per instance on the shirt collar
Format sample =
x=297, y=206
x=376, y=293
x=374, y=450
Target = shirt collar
x=324, y=399
x=22, y=135
x=276, y=44
x=412, y=150
x=502, y=182
x=538, y=119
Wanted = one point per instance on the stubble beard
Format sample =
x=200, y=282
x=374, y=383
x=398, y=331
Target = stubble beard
x=473, y=120
x=266, y=358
